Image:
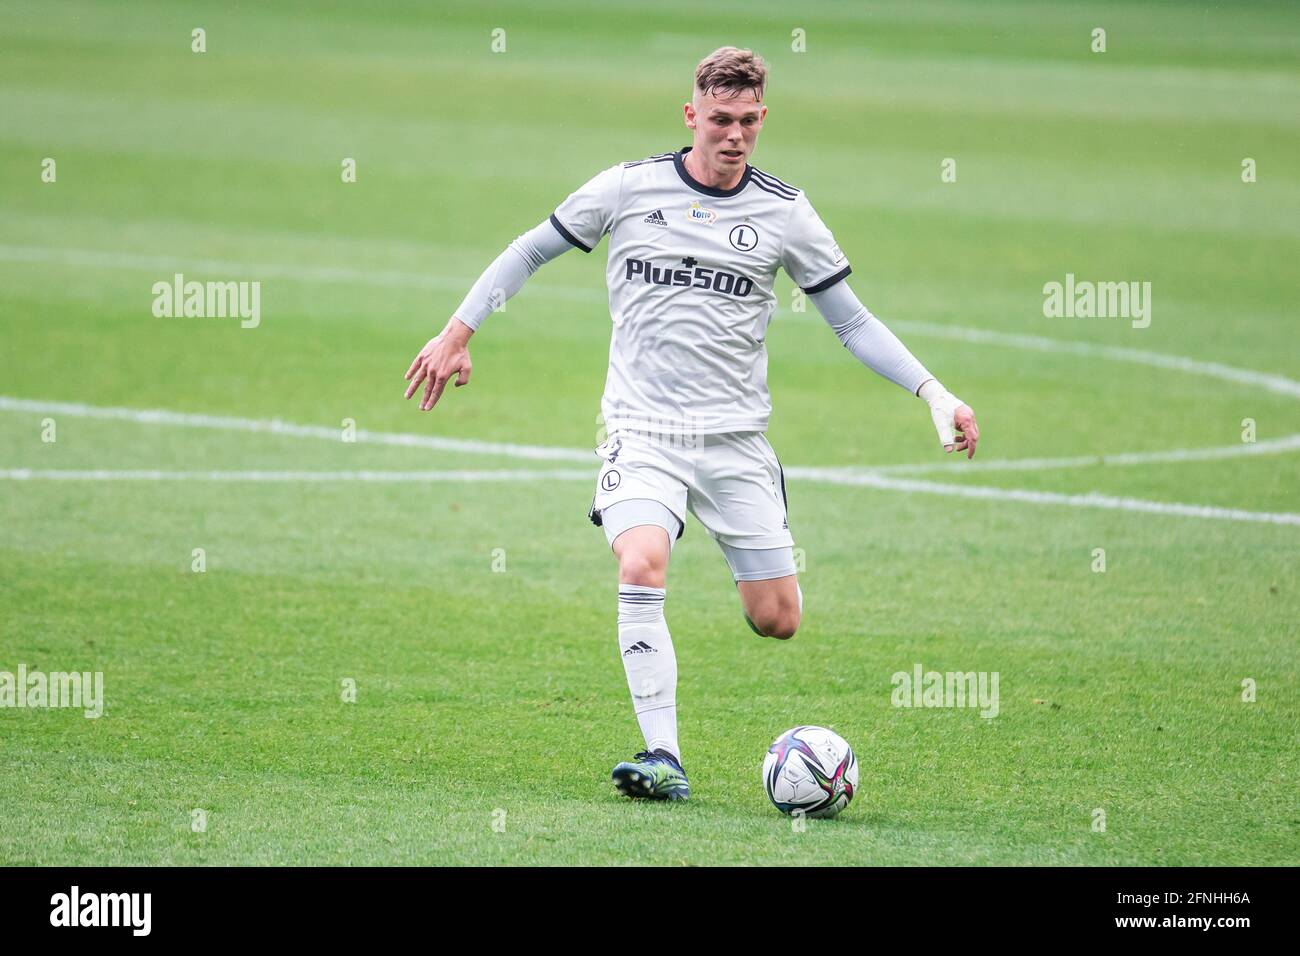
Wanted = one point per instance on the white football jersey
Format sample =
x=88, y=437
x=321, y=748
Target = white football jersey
x=690, y=276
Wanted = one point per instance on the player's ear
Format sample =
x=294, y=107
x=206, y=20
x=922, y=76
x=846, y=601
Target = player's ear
x=688, y=114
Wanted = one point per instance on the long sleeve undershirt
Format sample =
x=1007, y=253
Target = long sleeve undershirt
x=510, y=270
x=868, y=338
x=862, y=333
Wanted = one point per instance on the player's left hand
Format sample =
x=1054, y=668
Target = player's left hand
x=968, y=433
x=953, y=419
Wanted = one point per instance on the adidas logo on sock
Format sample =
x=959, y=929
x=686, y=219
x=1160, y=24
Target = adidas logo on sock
x=640, y=647
x=656, y=218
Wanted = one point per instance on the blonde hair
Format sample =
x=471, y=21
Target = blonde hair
x=733, y=69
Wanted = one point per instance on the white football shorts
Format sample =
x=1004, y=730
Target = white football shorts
x=733, y=483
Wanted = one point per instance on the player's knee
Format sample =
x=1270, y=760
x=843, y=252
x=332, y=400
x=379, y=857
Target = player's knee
x=780, y=623
x=638, y=567
x=785, y=626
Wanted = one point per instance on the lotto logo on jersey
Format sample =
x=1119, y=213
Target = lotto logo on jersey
x=694, y=276
x=698, y=213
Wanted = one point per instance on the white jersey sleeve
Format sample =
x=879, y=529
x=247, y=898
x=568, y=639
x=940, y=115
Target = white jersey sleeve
x=589, y=212
x=809, y=255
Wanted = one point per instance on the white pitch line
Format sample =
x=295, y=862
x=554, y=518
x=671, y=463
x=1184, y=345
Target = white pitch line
x=1279, y=384
x=387, y=278
x=276, y=427
x=1089, y=500
x=102, y=259
x=1270, y=446
x=99, y=474
x=826, y=475
x=863, y=476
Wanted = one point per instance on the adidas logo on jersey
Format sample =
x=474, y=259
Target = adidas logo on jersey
x=640, y=647
x=656, y=218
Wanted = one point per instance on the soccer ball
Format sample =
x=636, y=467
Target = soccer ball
x=810, y=770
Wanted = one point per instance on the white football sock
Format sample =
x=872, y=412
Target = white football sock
x=650, y=664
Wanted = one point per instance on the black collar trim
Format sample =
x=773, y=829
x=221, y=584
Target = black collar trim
x=679, y=163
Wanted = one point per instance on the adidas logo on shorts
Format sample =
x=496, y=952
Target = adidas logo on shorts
x=656, y=218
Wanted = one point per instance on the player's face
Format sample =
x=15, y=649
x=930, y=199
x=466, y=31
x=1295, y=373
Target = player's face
x=726, y=125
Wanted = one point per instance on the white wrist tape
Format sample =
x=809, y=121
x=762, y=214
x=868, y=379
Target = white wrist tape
x=943, y=407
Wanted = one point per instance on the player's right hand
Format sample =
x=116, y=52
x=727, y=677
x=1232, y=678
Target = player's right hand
x=445, y=355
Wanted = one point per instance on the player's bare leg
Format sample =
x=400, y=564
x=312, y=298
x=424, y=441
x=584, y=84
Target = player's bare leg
x=773, y=607
x=642, y=554
x=768, y=582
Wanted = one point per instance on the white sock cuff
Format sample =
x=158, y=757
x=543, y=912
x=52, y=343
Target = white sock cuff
x=638, y=604
x=641, y=589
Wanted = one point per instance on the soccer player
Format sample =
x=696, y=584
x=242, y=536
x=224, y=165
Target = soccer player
x=695, y=239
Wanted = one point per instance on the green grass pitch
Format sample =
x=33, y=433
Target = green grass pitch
x=476, y=616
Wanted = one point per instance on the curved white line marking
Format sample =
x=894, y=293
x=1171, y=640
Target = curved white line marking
x=274, y=426
x=98, y=259
x=101, y=259
x=1090, y=500
x=1270, y=446
x=100, y=474
x=1277, y=384
x=829, y=476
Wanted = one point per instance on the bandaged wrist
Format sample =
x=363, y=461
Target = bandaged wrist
x=936, y=396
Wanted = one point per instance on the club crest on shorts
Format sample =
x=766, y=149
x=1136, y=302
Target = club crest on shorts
x=610, y=480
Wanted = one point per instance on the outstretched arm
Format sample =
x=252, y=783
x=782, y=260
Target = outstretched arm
x=880, y=350
x=447, y=354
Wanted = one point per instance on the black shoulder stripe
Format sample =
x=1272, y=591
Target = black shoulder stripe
x=573, y=240
x=773, y=181
x=759, y=184
x=829, y=281
x=661, y=158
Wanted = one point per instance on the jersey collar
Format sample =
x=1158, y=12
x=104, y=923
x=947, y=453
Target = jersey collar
x=679, y=163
